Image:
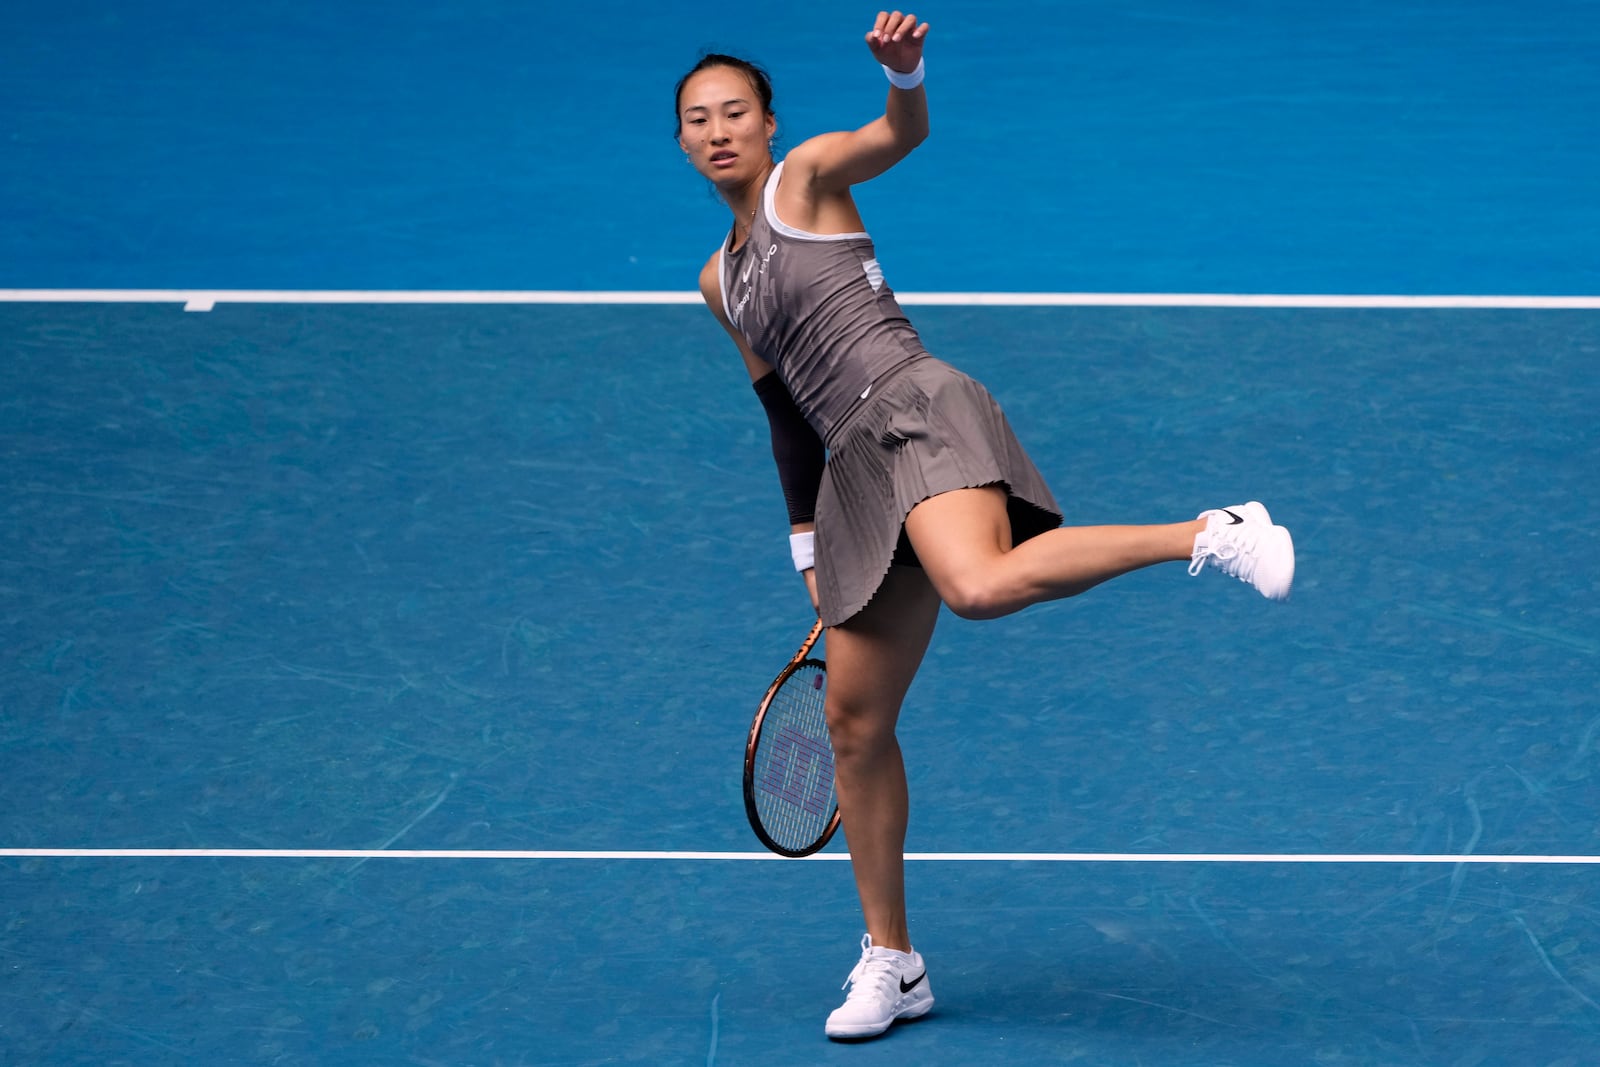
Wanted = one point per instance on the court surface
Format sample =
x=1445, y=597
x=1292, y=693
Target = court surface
x=377, y=666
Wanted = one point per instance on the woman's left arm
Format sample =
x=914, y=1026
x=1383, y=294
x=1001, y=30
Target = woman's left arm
x=833, y=162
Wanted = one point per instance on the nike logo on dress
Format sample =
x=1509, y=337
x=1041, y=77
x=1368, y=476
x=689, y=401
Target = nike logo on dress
x=1233, y=520
x=906, y=987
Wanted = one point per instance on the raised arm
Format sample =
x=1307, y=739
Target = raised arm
x=833, y=162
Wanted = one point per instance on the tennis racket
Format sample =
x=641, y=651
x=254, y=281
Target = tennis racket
x=788, y=760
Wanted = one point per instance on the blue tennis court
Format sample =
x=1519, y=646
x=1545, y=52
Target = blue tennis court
x=381, y=633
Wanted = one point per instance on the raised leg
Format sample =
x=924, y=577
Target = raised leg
x=963, y=539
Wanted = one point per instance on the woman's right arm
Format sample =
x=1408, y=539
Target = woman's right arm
x=796, y=448
x=711, y=293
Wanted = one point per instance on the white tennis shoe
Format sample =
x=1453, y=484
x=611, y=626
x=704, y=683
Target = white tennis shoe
x=1242, y=542
x=886, y=985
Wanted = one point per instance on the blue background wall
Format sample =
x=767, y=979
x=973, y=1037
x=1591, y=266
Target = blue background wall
x=1426, y=147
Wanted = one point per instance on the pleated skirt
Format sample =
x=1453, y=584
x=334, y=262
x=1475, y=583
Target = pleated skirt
x=925, y=429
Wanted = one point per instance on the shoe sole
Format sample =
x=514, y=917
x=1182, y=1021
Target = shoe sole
x=1285, y=544
x=1256, y=510
x=857, y=1033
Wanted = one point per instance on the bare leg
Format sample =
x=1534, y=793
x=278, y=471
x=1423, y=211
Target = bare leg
x=872, y=659
x=963, y=539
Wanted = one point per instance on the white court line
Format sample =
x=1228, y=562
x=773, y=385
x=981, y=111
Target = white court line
x=207, y=299
x=939, y=857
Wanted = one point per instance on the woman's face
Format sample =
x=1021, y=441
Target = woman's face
x=723, y=128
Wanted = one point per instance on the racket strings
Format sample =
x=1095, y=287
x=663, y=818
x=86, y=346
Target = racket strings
x=793, y=772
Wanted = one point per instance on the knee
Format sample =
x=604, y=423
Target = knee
x=974, y=596
x=857, y=731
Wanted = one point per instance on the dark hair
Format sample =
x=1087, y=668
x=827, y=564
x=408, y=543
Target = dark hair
x=758, y=80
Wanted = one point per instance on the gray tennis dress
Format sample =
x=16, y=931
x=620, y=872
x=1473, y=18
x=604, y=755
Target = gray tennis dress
x=900, y=426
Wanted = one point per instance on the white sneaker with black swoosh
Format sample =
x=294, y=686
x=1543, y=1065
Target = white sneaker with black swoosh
x=886, y=985
x=1242, y=542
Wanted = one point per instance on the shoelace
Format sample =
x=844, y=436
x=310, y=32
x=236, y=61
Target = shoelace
x=1235, y=555
x=869, y=971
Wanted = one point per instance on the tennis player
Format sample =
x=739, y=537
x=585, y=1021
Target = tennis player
x=905, y=485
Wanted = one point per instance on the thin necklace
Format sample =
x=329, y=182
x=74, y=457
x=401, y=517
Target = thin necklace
x=740, y=238
x=751, y=221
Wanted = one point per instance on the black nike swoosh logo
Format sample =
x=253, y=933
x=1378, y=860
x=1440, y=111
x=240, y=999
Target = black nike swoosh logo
x=906, y=987
x=1233, y=520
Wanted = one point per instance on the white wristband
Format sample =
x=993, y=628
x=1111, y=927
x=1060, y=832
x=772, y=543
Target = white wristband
x=802, y=546
x=909, y=80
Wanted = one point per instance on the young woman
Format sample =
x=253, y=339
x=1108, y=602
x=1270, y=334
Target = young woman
x=905, y=485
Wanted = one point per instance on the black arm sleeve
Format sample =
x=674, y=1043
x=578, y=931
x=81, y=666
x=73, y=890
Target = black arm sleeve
x=796, y=447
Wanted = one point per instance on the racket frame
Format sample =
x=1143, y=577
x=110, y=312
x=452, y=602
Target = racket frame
x=802, y=658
